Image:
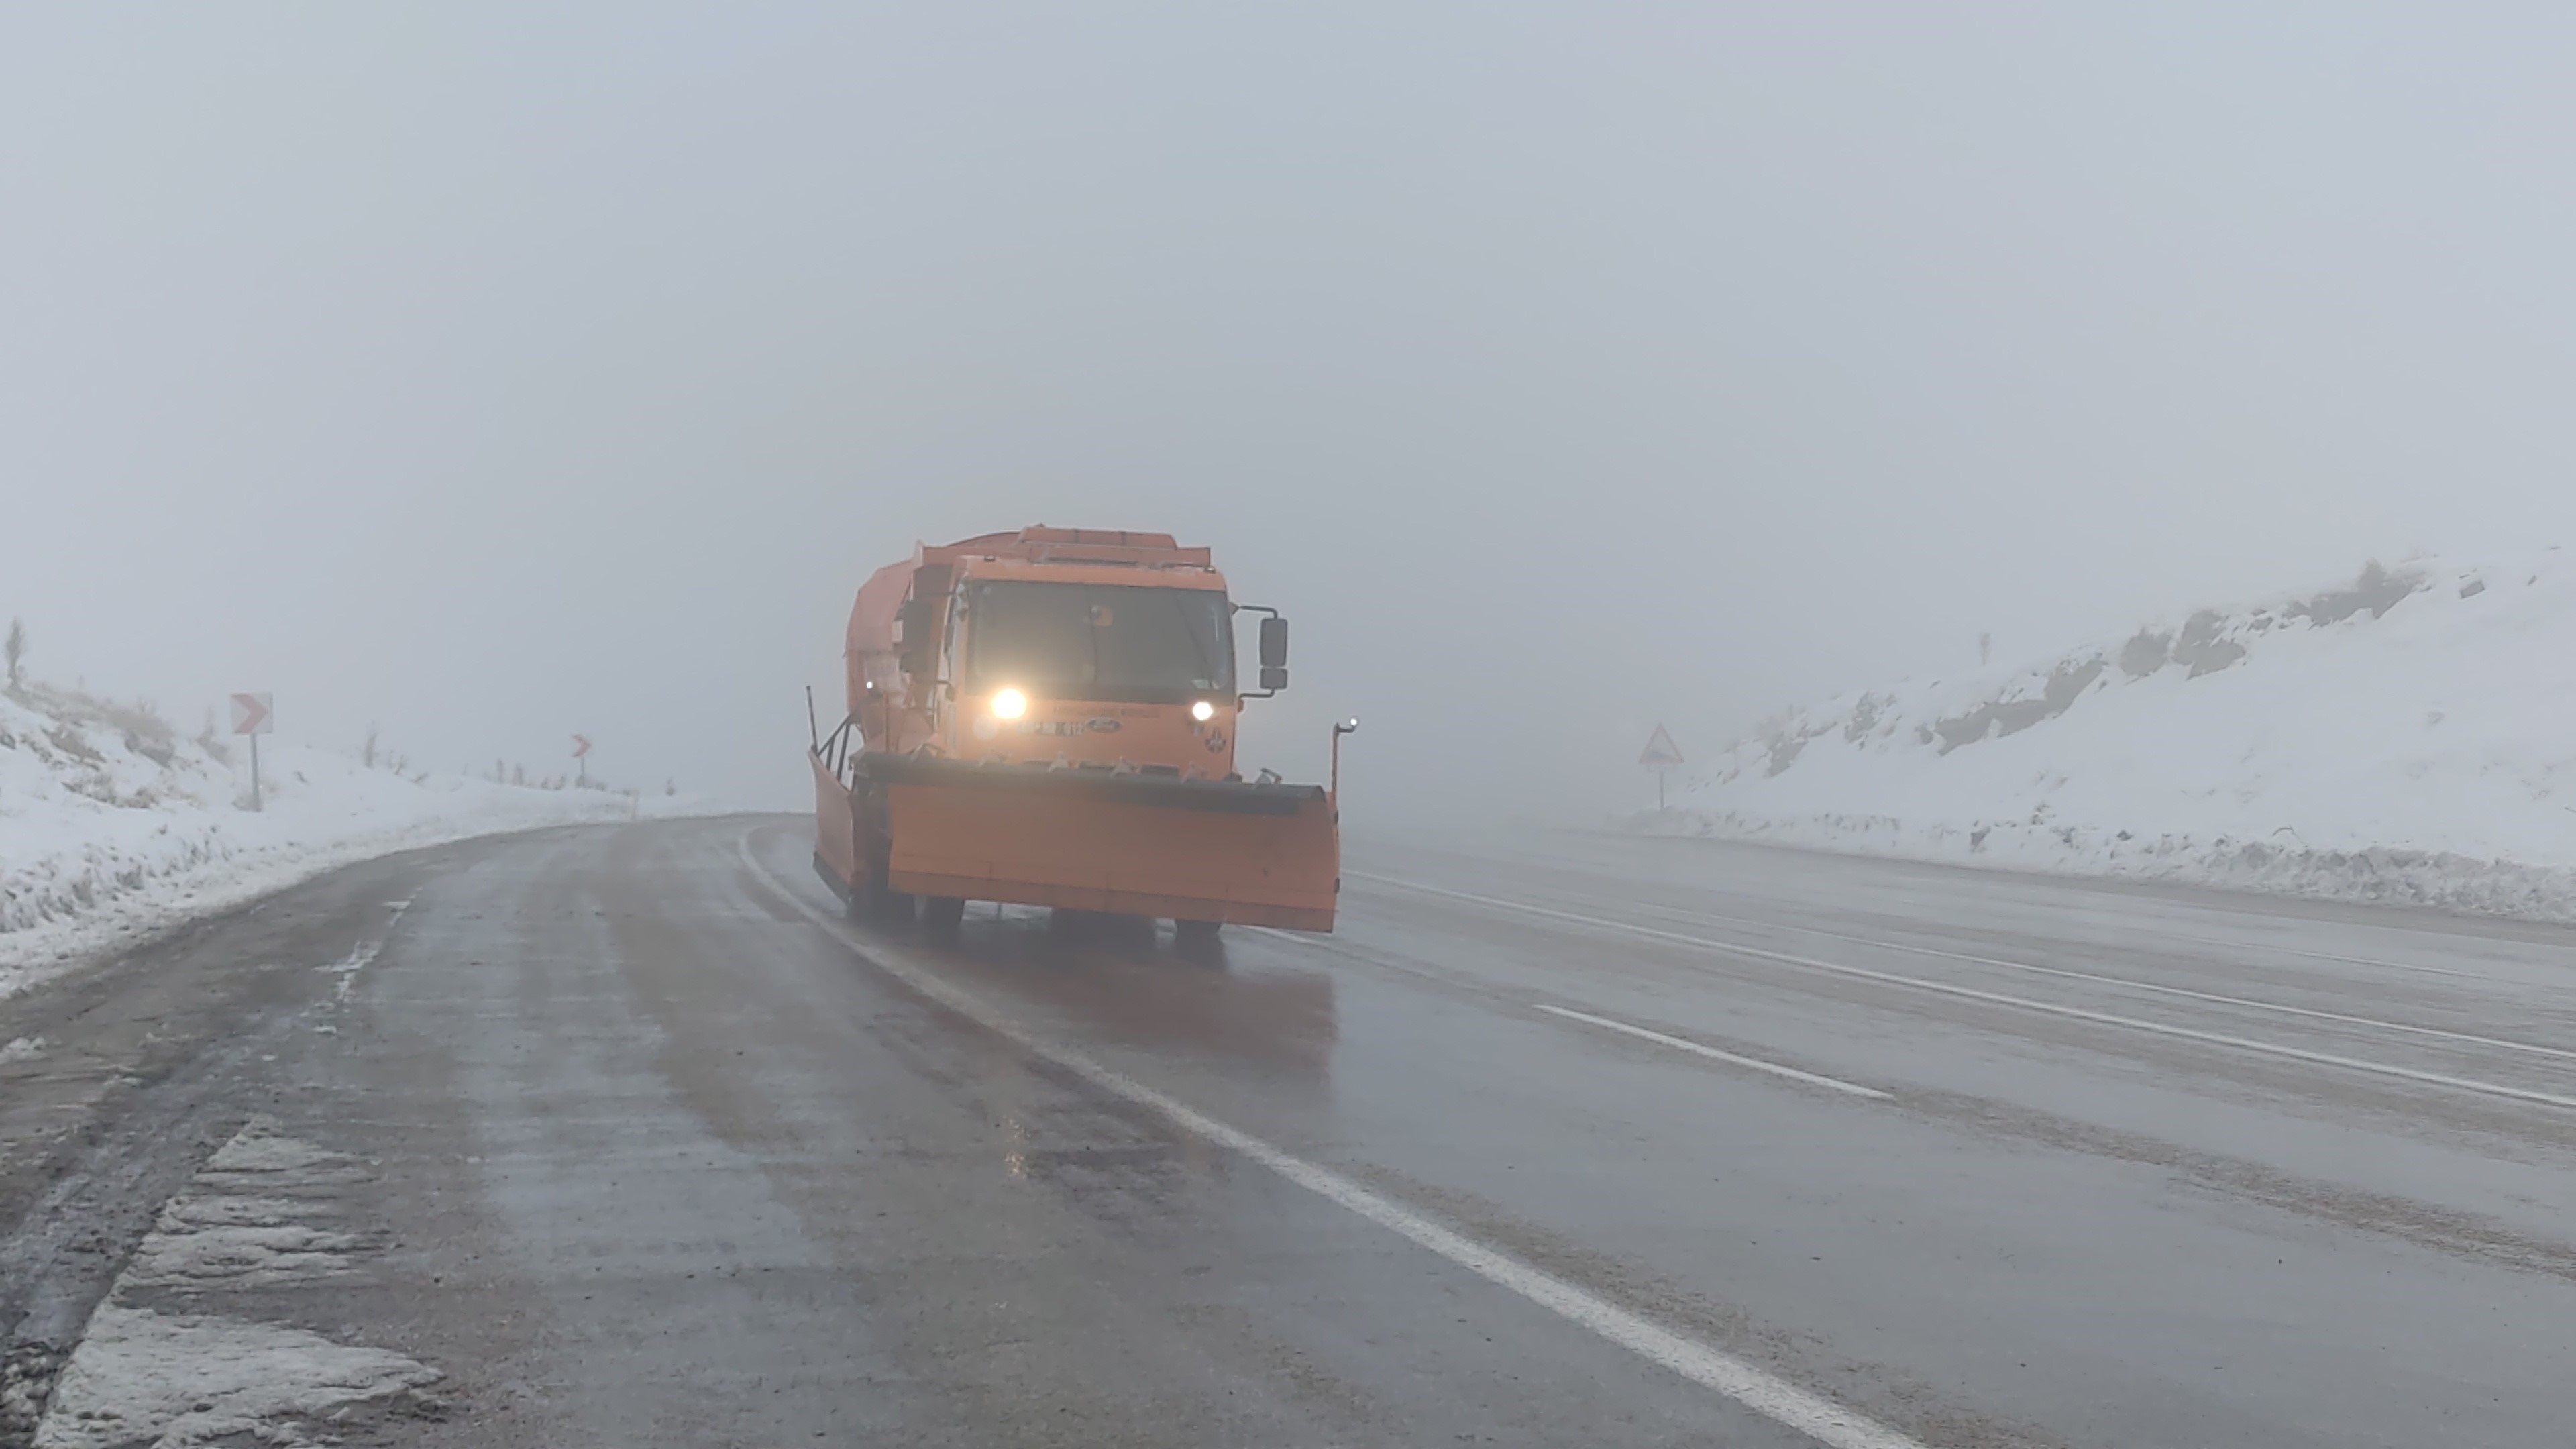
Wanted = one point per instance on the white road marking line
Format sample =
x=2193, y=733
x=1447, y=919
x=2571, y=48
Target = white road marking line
x=1764, y=1393
x=2153, y=988
x=1685, y=1044
x=2222, y=908
x=2222, y=941
x=1997, y=998
x=2415, y=968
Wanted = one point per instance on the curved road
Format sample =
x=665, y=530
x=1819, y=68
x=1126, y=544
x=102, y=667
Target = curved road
x=619, y=1136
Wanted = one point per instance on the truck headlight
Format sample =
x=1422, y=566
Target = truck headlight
x=1009, y=704
x=1202, y=711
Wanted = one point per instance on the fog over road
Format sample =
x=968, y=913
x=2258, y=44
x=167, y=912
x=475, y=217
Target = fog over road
x=619, y=1135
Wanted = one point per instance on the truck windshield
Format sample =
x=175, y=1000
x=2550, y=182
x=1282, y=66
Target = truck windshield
x=1099, y=641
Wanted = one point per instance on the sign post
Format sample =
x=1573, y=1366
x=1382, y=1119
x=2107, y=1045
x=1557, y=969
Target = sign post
x=580, y=754
x=1660, y=754
x=254, y=715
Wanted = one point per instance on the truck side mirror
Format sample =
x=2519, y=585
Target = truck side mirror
x=1274, y=645
x=1273, y=678
x=915, y=618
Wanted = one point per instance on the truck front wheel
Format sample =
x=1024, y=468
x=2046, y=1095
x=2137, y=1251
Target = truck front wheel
x=873, y=900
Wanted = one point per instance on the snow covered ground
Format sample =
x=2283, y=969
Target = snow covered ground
x=113, y=826
x=260, y=1215
x=2407, y=736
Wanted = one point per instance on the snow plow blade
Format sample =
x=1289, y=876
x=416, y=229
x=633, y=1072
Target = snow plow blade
x=1133, y=844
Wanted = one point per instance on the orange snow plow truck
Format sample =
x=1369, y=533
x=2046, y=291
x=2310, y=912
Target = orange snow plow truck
x=1047, y=717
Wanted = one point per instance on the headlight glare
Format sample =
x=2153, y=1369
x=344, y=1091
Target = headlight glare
x=1009, y=704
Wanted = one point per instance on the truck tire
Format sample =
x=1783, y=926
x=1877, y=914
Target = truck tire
x=874, y=901
x=941, y=915
x=1195, y=933
x=871, y=899
x=854, y=901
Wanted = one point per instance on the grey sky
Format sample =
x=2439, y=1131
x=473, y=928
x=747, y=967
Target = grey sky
x=497, y=373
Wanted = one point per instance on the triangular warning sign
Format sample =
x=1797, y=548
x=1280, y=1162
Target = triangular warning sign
x=1660, y=749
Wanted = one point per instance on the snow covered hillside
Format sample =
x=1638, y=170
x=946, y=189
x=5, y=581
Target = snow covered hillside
x=111, y=824
x=2410, y=736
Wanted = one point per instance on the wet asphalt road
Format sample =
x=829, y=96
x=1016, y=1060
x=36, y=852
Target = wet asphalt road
x=617, y=1136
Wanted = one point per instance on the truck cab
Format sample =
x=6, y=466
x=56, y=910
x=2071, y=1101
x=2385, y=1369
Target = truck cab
x=1050, y=717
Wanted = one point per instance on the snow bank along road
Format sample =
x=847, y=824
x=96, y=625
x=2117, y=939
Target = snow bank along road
x=616, y=1136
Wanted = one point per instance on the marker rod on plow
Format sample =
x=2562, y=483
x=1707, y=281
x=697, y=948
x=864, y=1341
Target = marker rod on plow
x=1344, y=727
